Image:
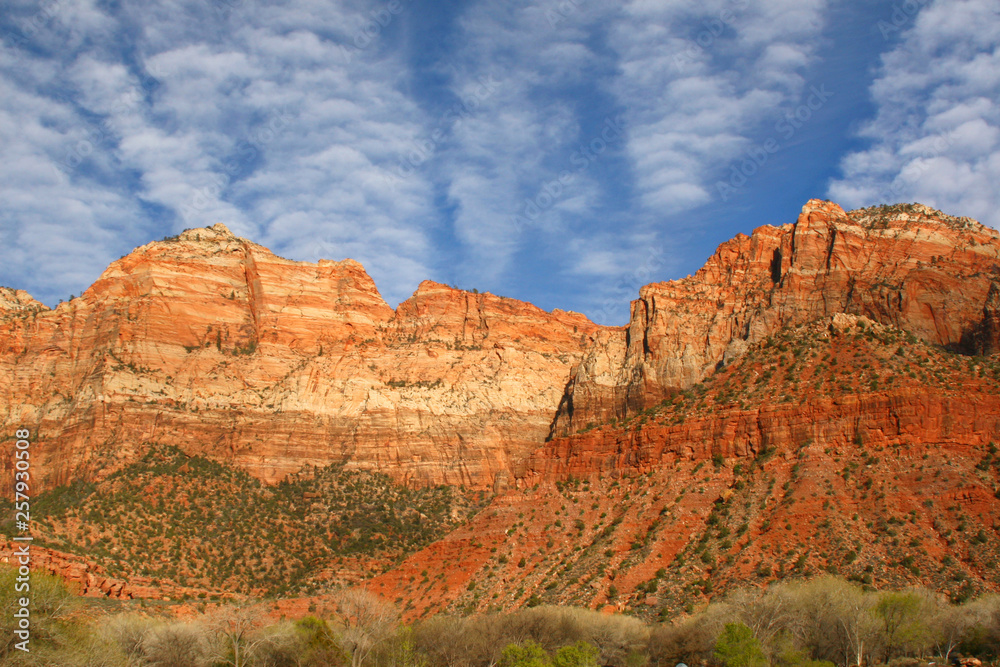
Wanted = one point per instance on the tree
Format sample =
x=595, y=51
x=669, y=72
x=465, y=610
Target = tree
x=948, y=626
x=368, y=621
x=400, y=650
x=319, y=645
x=770, y=614
x=528, y=654
x=737, y=647
x=837, y=623
x=902, y=619
x=238, y=628
x=580, y=654
x=689, y=640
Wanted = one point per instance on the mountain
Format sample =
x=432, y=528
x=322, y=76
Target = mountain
x=820, y=396
x=841, y=445
x=213, y=344
x=907, y=266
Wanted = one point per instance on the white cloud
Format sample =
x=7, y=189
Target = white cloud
x=697, y=80
x=252, y=114
x=936, y=133
x=270, y=117
x=54, y=231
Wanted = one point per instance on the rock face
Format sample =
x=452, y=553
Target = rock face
x=799, y=458
x=907, y=266
x=779, y=411
x=89, y=580
x=212, y=343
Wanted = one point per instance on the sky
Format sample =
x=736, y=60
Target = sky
x=562, y=152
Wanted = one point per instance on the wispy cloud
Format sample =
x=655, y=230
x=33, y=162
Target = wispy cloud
x=555, y=145
x=698, y=79
x=239, y=113
x=936, y=135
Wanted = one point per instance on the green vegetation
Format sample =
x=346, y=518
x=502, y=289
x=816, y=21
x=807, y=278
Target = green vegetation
x=826, y=622
x=737, y=647
x=195, y=522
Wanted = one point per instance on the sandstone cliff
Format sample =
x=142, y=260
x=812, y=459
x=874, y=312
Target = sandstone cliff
x=906, y=265
x=778, y=412
x=841, y=446
x=214, y=344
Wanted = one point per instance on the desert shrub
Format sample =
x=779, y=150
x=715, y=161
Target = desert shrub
x=51, y=605
x=177, y=645
x=691, y=640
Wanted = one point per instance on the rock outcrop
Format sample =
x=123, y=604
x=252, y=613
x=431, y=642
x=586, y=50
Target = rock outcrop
x=779, y=411
x=214, y=344
x=89, y=580
x=908, y=266
x=799, y=458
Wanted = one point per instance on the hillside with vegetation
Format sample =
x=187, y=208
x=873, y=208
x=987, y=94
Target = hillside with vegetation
x=200, y=524
x=736, y=480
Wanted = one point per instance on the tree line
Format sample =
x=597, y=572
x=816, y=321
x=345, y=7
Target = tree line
x=824, y=622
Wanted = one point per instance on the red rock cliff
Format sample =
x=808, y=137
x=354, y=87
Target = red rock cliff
x=212, y=343
x=907, y=266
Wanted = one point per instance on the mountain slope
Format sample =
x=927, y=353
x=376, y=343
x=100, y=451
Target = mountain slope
x=841, y=446
x=821, y=396
x=933, y=275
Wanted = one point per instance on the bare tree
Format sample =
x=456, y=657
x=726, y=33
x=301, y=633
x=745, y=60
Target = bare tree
x=949, y=625
x=238, y=629
x=769, y=613
x=176, y=645
x=837, y=621
x=368, y=621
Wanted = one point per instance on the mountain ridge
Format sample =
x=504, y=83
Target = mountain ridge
x=806, y=355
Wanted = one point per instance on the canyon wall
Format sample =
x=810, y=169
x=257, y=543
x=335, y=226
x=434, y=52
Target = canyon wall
x=908, y=266
x=214, y=344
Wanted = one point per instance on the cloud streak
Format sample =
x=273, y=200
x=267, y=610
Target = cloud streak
x=936, y=135
x=551, y=148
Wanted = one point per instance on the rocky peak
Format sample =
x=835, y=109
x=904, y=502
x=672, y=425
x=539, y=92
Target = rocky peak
x=907, y=266
x=16, y=301
x=885, y=216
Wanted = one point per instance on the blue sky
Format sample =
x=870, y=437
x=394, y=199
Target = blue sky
x=564, y=152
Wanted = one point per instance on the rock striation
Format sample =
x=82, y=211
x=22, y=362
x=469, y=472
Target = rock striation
x=212, y=343
x=778, y=412
x=908, y=266
x=799, y=458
